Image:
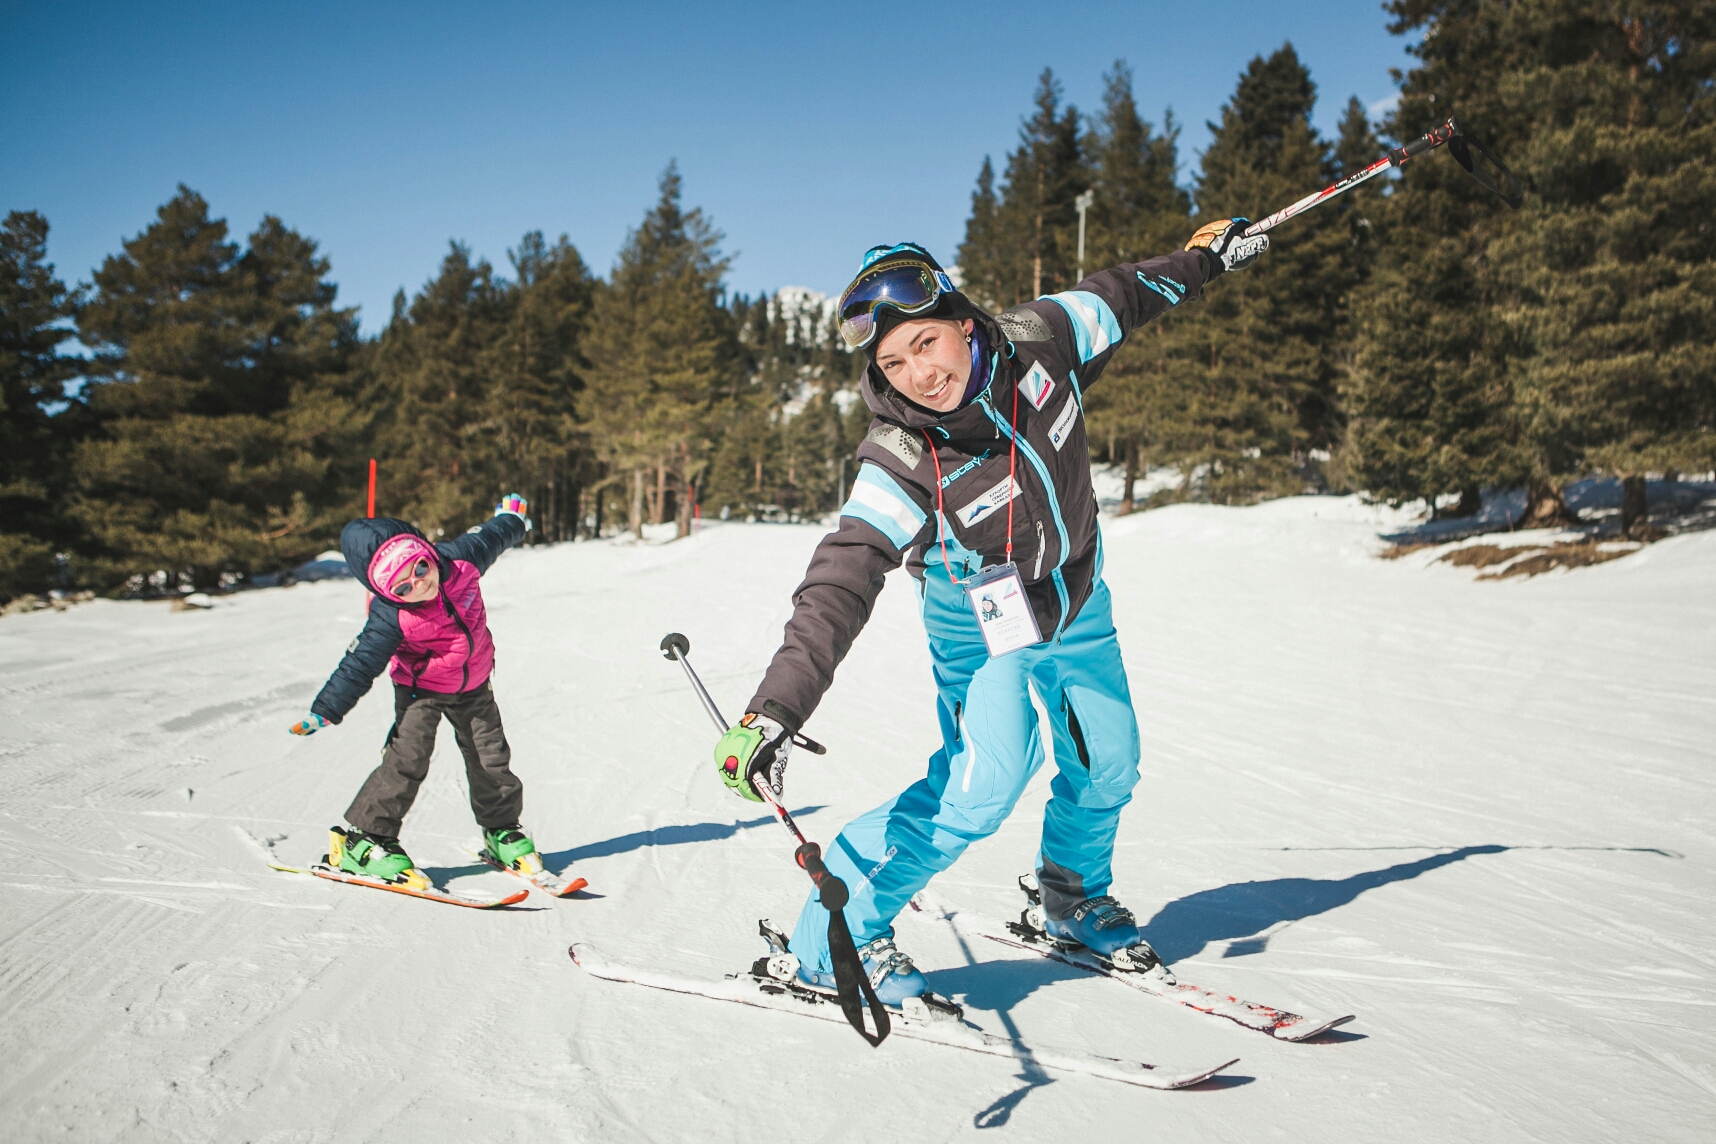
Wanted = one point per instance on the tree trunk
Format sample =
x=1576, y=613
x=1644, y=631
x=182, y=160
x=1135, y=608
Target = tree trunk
x=682, y=511
x=1544, y=506
x=658, y=499
x=1126, y=505
x=637, y=502
x=1635, y=510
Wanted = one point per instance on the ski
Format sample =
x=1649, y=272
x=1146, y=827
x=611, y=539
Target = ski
x=543, y=880
x=1278, y=1023
x=919, y=1022
x=323, y=870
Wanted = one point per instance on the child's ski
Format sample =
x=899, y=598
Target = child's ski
x=323, y=870
x=918, y=1023
x=1278, y=1023
x=543, y=880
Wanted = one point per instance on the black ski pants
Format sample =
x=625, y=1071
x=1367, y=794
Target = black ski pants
x=497, y=797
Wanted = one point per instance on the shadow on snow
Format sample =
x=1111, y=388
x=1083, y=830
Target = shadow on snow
x=664, y=836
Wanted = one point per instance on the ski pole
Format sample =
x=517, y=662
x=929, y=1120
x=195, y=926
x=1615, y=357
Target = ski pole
x=1459, y=144
x=851, y=983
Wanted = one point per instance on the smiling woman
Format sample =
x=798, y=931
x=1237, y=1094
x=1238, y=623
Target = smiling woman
x=996, y=402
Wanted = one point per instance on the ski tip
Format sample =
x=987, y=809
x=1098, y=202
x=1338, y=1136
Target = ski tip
x=510, y=900
x=1311, y=1030
x=573, y=887
x=1199, y=1078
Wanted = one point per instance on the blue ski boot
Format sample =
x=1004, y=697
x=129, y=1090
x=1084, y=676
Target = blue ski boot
x=892, y=974
x=1108, y=929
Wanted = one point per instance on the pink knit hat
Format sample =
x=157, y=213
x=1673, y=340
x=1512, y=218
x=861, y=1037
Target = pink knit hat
x=395, y=556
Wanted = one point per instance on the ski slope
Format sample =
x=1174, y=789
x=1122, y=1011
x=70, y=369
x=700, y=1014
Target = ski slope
x=1477, y=815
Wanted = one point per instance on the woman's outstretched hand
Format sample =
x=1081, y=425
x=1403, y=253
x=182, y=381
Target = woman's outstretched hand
x=756, y=745
x=1224, y=246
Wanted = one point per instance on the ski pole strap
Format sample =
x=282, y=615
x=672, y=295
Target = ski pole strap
x=851, y=983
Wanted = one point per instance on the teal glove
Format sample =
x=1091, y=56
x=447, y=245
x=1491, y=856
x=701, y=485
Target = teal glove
x=308, y=725
x=515, y=504
x=756, y=745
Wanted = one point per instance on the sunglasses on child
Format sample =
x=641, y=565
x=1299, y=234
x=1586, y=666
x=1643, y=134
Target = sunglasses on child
x=418, y=571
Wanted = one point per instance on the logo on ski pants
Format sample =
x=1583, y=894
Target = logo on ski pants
x=991, y=747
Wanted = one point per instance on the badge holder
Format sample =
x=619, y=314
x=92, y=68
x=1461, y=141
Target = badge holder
x=1003, y=611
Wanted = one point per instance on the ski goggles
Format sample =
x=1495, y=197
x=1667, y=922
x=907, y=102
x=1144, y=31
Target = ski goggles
x=418, y=571
x=909, y=286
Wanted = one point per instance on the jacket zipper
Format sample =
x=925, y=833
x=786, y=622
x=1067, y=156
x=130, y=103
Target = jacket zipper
x=470, y=644
x=1037, y=571
x=1048, y=482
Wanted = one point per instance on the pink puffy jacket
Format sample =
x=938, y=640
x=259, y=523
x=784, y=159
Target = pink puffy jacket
x=445, y=644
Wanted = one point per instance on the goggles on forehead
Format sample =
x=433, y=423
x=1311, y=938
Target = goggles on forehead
x=911, y=287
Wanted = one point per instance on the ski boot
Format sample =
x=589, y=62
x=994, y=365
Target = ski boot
x=373, y=857
x=1102, y=925
x=511, y=847
x=897, y=982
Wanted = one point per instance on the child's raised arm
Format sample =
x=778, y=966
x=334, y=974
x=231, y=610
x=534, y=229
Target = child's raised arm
x=483, y=545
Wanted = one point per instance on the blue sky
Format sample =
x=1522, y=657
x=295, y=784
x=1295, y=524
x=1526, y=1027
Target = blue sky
x=808, y=132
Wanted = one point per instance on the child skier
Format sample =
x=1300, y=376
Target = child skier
x=428, y=626
x=977, y=457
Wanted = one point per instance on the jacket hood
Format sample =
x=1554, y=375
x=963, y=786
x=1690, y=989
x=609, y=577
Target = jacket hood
x=886, y=402
x=360, y=539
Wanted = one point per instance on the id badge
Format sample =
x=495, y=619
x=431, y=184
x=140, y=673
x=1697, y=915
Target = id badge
x=1003, y=611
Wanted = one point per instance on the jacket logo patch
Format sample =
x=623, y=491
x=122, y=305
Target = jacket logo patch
x=898, y=442
x=965, y=468
x=997, y=496
x=1037, y=385
x=1062, y=428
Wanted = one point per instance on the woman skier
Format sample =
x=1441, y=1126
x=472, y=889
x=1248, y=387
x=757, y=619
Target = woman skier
x=976, y=474
x=428, y=627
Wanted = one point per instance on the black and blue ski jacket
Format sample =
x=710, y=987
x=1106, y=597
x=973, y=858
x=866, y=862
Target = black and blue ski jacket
x=1051, y=351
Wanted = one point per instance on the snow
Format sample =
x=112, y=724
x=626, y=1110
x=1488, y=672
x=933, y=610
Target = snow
x=1477, y=815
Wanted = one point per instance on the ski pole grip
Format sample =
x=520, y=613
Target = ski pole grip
x=1428, y=141
x=833, y=890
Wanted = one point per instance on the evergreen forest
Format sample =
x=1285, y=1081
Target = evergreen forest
x=1412, y=340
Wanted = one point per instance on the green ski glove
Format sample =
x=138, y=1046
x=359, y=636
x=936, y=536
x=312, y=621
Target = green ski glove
x=756, y=745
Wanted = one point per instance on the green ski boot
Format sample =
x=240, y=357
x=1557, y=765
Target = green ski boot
x=512, y=848
x=383, y=858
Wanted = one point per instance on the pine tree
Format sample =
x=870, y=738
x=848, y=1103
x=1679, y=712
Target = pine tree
x=207, y=461
x=663, y=354
x=1611, y=267
x=1027, y=252
x=1251, y=389
x=441, y=433
x=1138, y=211
x=536, y=376
x=982, y=256
x=38, y=424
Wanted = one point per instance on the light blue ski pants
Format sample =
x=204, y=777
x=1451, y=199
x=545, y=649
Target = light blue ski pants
x=991, y=746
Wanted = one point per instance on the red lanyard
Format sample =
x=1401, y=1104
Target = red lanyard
x=941, y=509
